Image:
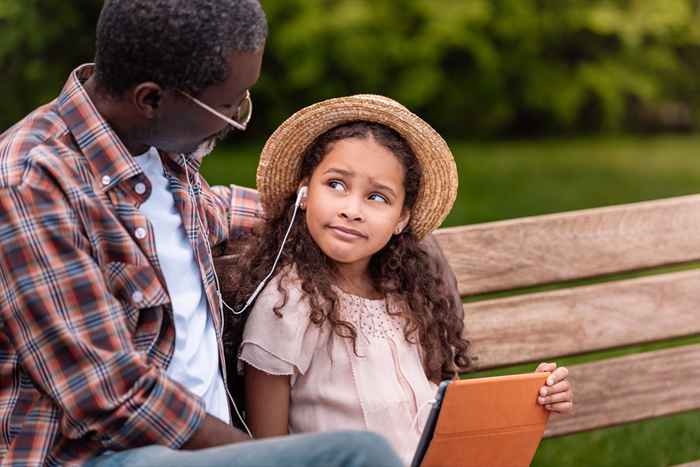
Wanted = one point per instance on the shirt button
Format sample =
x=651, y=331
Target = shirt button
x=140, y=233
x=137, y=296
x=140, y=188
x=106, y=179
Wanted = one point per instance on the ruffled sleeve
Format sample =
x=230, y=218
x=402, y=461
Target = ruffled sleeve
x=279, y=345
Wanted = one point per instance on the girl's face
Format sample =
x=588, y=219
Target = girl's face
x=355, y=200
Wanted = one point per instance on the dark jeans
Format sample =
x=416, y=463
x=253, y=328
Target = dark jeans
x=336, y=449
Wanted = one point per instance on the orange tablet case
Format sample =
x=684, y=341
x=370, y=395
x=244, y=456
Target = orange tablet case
x=494, y=422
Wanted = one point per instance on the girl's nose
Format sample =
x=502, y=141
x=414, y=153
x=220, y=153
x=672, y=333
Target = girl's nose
x=352, y=209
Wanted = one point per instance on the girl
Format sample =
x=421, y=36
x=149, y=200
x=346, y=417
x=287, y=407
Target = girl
x=356, y=327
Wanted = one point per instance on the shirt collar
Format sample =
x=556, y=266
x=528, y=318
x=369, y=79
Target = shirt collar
x=94, y=136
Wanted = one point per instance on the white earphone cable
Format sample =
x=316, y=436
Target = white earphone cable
x=251, y=299
x=302, y=192
x=195, y=208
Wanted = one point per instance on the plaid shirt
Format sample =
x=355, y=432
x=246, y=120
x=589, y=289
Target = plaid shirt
x=86, y=325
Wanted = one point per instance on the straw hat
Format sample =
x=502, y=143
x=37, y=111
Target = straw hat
x=280, y=161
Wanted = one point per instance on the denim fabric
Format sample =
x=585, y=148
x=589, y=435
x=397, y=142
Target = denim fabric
x=336, y=449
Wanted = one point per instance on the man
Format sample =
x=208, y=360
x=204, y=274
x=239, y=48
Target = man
x=110, y=315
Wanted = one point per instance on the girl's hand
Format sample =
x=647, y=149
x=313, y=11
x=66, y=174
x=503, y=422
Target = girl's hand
x=556, y=395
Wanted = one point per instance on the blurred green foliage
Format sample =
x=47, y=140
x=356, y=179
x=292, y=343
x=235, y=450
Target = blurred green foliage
x=471, y=67
x=484, y=67
x=41, y=41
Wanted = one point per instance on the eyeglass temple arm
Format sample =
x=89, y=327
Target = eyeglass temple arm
x=228, y=120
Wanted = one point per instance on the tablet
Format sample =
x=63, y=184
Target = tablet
x=478, y=422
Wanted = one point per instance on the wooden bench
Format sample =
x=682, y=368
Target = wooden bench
x=534, y=325
x=537, y=325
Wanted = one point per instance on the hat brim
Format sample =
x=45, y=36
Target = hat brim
x=280, y=160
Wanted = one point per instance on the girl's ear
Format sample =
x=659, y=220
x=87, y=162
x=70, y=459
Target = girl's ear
x=403, y=221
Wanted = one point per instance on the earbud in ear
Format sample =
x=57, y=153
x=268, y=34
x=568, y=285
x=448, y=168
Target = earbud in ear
x=301, y=194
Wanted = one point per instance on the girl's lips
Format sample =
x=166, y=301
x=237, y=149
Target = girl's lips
x=346, y=232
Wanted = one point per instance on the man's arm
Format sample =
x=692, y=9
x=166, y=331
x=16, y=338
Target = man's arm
x=213, y=432
x=232, y=211
x=72, y=336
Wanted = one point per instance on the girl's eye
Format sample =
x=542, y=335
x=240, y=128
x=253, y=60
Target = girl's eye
x=378, y=197
x=336, y=185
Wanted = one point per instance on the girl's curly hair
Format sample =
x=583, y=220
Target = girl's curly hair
x=401, y=269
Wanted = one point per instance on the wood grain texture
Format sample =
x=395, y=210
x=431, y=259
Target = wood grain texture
x=632, y=388
x=558, y=247
x=583, y=319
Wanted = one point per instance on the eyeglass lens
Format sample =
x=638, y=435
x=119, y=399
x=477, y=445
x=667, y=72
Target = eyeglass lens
x=245, y=110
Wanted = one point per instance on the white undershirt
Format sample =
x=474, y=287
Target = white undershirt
x=195, y=362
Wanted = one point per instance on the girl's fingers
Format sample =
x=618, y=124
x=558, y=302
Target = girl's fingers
x=556, y=398
x=561, y=407
x=559, y=387
x=545, y=366
x=560, y=374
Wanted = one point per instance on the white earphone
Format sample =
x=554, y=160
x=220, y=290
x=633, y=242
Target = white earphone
x=301, y=193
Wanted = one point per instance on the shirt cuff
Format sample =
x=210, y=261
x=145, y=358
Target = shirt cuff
x=169, y=415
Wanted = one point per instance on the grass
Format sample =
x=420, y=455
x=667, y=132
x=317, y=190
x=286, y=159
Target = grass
x=514, y=179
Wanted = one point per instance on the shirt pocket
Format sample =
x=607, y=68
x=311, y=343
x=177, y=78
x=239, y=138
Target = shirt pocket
x=136, y=286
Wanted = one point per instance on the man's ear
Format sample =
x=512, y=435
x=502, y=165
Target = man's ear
x=403, y=221
x=146, y=97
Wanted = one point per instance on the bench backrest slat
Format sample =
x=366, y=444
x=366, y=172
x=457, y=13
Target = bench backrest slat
x=559, y=247
x=583, y=319
x=632, y=388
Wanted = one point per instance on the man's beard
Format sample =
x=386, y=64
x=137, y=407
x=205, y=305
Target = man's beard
x=222, y=134
x=208, y=145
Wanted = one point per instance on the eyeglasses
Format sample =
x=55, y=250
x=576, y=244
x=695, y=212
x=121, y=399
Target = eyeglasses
x=243, y=112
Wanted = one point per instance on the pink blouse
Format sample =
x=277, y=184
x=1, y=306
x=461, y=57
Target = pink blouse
x=381, y=389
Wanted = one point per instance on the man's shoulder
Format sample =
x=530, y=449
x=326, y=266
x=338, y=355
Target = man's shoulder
x=40, y=139
x=236, y=192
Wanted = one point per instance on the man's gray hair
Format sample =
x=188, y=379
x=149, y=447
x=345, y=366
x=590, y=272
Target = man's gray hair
x=179, y=44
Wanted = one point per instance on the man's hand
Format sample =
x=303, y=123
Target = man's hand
x=213, y=432
x=556, y=395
